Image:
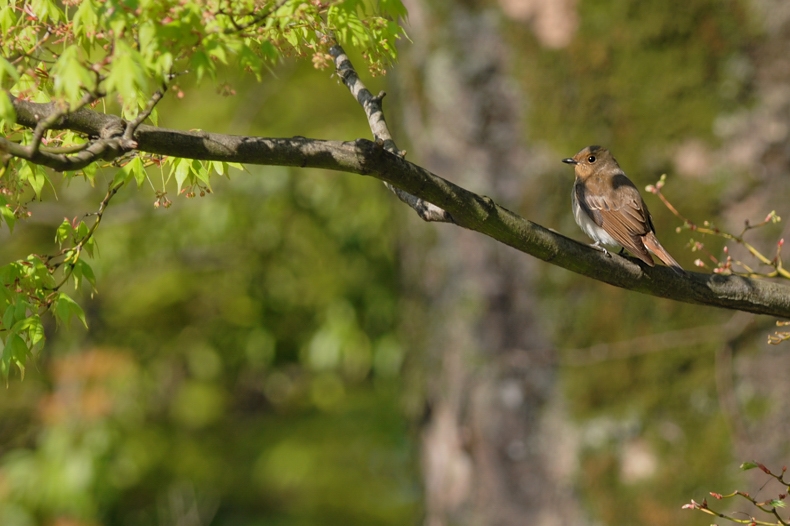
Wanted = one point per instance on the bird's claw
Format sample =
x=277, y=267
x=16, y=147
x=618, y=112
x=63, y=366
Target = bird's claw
x=598, y=245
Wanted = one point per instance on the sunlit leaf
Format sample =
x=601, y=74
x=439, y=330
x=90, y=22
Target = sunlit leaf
x=64, y=308
x=86, y=20
x=46, y=10
x=127, y=77
x=182, y=168
x=7, y=110
x=7, y=70
x=64, y=233
x=70, y=75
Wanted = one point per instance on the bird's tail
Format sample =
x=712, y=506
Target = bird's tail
x=652, y=244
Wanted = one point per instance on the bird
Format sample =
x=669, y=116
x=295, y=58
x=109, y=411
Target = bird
x=609, y=208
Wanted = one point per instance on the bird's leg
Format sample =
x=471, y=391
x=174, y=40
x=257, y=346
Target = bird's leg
x=622, y=252
x=599, y=246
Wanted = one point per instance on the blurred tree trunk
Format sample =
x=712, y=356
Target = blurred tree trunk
x=495, y=448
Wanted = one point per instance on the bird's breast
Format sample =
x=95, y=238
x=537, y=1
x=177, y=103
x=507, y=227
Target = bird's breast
x=588, y=226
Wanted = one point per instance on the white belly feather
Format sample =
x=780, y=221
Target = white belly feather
x=588, y=226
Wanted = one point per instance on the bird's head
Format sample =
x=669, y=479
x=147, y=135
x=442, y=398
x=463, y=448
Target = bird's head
x=593, y=159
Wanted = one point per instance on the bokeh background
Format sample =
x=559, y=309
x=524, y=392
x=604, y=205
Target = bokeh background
x=298, y=349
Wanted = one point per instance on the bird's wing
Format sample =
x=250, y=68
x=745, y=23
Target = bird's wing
x=618, y=209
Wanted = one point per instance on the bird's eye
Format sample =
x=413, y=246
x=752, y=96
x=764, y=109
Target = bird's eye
x=591, y=159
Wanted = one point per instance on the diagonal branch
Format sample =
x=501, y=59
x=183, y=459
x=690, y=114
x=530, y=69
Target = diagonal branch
x=131, y=127
x=381, y=133
x=469, y=210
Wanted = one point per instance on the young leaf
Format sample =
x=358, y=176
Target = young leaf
x=35, y=175
x=86, y=20
x=15, y=352
x=182, y=167
x=7, y=214
x=6, y=68
x=63, y=233
x=7, y=110
x=31, y=327
x=70, y=76
x=65, y=308
x=127, y=75
x=46, y=10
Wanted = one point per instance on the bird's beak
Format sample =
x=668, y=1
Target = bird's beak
x=570, y=161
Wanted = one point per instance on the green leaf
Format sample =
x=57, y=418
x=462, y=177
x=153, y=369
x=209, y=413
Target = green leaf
x=83, y=270
x=15, y=352
x=9, y=316
x=746, y=466
x=202, y=172
x=7, y=19
x=64, y=233
x=86, y=20
x=136, y=169
x=46, y=10
x=201, y=64
x=7, y=214
x=35, y=175
x=269, y=51
x=31, y=327
x=216, y=51
x=64, y=308
x=393, y=8
x=182, y=167
x=292, y=38
x=7, y=110
x=70, y=76
x=7, y=69
x=127, y=76
x=90, y=172
x=220, y=167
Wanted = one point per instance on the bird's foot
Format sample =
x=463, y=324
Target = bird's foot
x=598, y=245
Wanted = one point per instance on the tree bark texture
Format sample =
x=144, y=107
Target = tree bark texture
x=489, y=446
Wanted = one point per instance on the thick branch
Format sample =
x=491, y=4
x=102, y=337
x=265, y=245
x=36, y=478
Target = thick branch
x=469, y=210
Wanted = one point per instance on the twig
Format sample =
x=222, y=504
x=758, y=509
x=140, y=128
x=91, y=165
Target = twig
x=39, y=43
x=776, y=263
x=769, y=506
x=378, y=125
x=131, y=127
x=652, y=343
x=76, y=250
x=47, y=122
x=99, y=149
x=256, y=19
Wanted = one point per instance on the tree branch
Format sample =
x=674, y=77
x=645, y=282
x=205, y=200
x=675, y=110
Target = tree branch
x=469, y=210
x=381, y=133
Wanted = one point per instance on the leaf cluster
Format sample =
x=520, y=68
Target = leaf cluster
x=122, y=56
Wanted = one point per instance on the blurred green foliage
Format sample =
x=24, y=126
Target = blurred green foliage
x=639, y=76
x=243, y=359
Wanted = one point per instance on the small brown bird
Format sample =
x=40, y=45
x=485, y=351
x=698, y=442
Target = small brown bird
x=608, y=207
